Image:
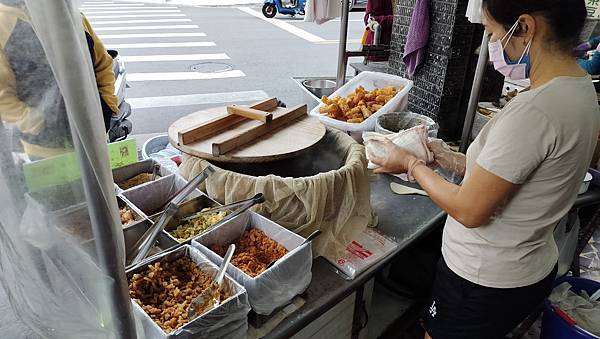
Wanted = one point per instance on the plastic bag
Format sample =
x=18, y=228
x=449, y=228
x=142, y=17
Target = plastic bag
x=413, y=140
x=275, y=287
x=368, y=248
x=579, y=307
x=228, y=320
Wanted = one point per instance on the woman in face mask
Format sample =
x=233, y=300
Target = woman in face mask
x=522, y=174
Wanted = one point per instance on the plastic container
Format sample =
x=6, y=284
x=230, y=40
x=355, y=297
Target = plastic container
x=553, y=326
x=397, y=121
x=370, y=81
x=154, y=144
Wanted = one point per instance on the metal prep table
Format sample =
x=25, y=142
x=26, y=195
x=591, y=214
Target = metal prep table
x=407, y=218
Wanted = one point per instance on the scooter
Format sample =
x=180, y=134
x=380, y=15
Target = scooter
x=289, y=7
x=120, y=126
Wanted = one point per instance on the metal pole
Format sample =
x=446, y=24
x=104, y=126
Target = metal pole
x=475, y=91
x=342, y=59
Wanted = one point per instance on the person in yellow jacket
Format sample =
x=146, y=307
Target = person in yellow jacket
x=29, y=94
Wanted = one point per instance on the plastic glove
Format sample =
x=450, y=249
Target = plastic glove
x=446, y=158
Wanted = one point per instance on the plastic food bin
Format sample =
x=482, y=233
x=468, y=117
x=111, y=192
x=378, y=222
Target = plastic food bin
x=398, y=121
x=553, y=326
x=370, y=81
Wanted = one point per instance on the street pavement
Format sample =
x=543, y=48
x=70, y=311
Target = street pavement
x=180, y=59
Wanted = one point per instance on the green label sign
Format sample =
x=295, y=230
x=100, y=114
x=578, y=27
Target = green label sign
x=63, y=168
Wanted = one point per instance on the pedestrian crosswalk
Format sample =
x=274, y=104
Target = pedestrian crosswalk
x=159, y=45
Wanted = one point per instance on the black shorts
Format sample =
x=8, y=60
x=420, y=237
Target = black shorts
x=462, y=309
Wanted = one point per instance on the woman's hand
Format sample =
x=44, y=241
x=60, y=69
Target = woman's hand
x=396, y=159
x=446, y=158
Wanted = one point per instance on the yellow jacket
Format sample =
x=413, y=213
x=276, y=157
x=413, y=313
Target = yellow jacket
x=27, y=119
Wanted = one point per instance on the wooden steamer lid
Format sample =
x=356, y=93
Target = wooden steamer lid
x=224, y=136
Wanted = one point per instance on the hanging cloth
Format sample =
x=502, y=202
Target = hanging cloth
x=417, y=37
x=474, y=11
x=321, y=11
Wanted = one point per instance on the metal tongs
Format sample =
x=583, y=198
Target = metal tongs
x=144, y=244
x=237, y=206
x=240, y=207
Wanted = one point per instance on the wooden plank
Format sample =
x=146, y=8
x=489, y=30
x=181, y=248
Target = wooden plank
x=208, y=128
x=205, y=129
x=266, y=105
x=250, y=113
x=224, y=146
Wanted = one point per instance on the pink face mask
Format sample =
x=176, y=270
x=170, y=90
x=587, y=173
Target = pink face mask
x=510, y=69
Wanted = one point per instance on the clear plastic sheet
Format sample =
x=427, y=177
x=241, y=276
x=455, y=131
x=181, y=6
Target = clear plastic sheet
x=54, y=242
x=278, y=285
x=337, y=201
x=228, y=320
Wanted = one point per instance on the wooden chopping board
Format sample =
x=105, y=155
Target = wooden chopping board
x=281, y=143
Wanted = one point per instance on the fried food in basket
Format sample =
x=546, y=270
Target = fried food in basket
x=254, y=251
x=127, y=216
x=359, y=105
x=196, y=226
x=166, y=289
x=139, y=179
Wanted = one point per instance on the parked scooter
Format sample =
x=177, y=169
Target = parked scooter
x=119, y=127
x=289, y=7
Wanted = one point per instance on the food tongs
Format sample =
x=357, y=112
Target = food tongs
x=144, y=244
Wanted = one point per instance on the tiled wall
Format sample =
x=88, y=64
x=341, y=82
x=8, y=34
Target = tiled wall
x=443, y=82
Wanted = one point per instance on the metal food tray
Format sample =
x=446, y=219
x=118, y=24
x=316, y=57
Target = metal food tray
x=276, y=286
x=216, y=323
x=186, y=209
x=138, y=215
x=127, y=172
x=134, y=232
x=150, y=198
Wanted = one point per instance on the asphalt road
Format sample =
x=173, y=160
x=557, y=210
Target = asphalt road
x=239, y=57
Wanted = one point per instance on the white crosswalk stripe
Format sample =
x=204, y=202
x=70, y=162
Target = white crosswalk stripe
x=150, y=35
x=112, y=22
x=174, y=57
x=117, y=23
x=134, y=16
x=162, y=44
x=125, y=28
x=167, y=76
x=107, y=9
x=196, y=99
x=133, y=11
x=110, y=5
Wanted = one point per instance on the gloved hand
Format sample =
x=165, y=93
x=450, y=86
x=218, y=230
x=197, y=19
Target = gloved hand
x=446, y=158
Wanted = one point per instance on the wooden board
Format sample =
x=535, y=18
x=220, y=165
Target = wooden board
x=282, y=143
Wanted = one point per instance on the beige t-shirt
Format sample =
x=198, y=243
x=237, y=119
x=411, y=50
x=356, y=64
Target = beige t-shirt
x=543, y=141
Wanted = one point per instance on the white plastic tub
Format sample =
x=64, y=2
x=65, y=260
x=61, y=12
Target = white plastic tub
x=370, y=81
